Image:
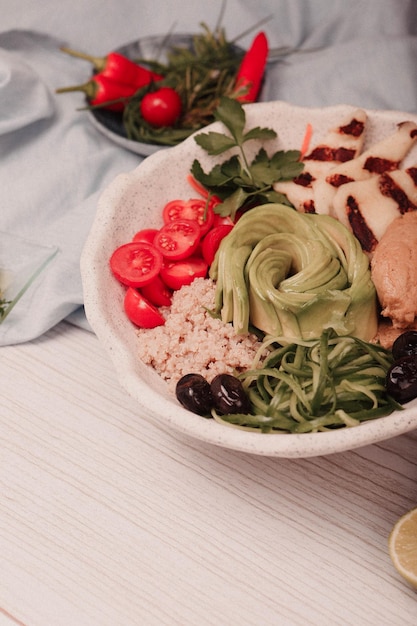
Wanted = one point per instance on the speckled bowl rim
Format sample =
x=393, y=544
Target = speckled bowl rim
x=133, y=201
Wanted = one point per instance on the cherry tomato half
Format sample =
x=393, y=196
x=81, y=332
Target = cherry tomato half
x=147, y=235
x=212, y=240
x=178, y=273
x=136, y=263
x=157, y=292
x=219, y=220
x=140, y=311
x=197, y=209
x=161, y=107
x=178, y=239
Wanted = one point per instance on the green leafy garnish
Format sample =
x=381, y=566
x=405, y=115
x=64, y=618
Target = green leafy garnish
x=238, y=182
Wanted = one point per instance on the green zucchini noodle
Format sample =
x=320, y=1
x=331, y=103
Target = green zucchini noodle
x=303, y=386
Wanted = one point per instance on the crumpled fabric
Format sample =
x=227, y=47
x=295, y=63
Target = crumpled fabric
x=20, y=87
x=54, y=164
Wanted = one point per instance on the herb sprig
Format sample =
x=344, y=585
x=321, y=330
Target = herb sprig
x=3, y=307
x=238, y=182
x=201, y=73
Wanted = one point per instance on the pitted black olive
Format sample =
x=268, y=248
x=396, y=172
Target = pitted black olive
x=401, y=380
x=228, y=395
x=194, y=393
x=405, y=344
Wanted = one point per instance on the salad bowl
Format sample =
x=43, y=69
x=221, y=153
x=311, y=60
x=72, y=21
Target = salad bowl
x=134, y=201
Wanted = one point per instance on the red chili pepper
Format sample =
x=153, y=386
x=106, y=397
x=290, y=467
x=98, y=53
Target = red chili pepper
x=119, y=68
x=252, y=68
x=101, y=90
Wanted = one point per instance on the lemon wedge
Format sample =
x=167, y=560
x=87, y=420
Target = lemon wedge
x=402, y=545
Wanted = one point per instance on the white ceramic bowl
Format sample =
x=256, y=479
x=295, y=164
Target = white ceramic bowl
x=134, y=201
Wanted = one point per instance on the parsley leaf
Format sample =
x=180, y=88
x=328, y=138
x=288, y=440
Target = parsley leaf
x=231, y=113
x=239, y=183
x=215, y=143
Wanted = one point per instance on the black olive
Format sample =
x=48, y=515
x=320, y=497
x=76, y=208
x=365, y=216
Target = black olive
x=405, y=344
x=401, y=380
x=229, y=395
x=194, y=393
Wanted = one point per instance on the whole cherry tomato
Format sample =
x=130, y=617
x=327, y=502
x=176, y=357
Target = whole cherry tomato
x=212, y=240
x=157, y=292
x=140, y=311
x=161, y=107
x=176, y=274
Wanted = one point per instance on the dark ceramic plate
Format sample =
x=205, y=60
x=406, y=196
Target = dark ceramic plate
x=110, y=123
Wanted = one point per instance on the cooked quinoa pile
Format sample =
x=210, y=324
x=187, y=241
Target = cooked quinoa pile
x=192, y=341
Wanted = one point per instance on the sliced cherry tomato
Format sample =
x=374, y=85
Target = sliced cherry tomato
x=212, y=240
x=161, y=107
x=173, y=210
x=136, y=263
x=196, y=209
x=178, y=273
x=147, y=235
x=140, y=311
x=157, y=292
x=178, y=239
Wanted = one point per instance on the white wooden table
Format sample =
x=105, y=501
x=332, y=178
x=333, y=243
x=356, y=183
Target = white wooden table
x=107, y=519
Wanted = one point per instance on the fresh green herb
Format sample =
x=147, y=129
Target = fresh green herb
x=201, y=73
x=317, y=385
x=238, y=182
x=3, y=307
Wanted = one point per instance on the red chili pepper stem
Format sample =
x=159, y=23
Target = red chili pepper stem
x=102, y=91
x=88, y=88
x=99, y=63
x=118, y=67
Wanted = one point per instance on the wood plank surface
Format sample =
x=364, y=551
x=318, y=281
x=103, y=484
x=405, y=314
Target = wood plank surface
x=107, y=519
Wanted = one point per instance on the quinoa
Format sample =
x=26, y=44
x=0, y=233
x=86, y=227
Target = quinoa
x=193, y=341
